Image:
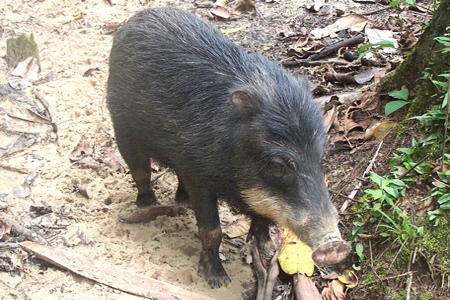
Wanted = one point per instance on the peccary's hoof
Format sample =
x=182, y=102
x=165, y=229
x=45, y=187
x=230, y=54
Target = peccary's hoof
x=146, y=199
x=217, y=282
x=215, y=273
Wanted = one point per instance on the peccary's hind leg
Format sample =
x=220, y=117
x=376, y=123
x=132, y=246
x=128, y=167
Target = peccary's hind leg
x=138, y=160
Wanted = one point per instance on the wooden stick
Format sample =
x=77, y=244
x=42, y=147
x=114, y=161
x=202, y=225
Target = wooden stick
x=110, y=275
x=345, y=43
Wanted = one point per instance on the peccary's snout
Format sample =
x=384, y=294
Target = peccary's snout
x=330, y=252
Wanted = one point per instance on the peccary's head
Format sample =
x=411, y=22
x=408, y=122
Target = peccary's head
x=284, y=142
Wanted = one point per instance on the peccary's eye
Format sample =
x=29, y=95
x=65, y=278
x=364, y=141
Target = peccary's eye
x=280, y=166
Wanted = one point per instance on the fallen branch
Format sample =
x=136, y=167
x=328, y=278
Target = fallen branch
x=335, y=47
x=110, y=275
x=309, y=63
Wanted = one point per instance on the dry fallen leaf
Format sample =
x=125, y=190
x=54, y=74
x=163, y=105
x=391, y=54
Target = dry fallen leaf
x=114, y=160
x=24, y=74
x=379, y=131
x=231, y=30
x=237, y=227
x=316, y=6
x=334, y=291
x=349, y=279
x=383, y=129
x=5, y=228
x=82, y=150
x=220, y=12
x=245, y=6
x=365, y=76
x=354, y=21
x=330, y=118
x=295, y=256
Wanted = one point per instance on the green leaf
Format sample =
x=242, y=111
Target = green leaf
x=406, y=150
x=445, y=206
x=444, y=199
x=376, y=178
x=359, y=251
x=410, y=2
x=402, y=94
x=377, y=206
x=394, y=4
x=394, y=106
x=420, y=230
x=398, y=182
x=439, y=184
x=407, y=227
x=376, y=194
x=382, y=44
x=391, y=191
x=440, y=83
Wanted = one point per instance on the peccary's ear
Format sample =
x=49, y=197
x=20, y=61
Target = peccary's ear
x=245, y=101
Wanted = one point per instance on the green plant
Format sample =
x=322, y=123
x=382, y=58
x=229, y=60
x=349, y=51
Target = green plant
x=394, y=4
x=383, y=44
x=441, y=191
x=406, y=161
x=389, y=190
x=393, y=106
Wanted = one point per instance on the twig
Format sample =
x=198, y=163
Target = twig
x=358, y=186
x=371, y=254
x=159, y=175
x=27, y=233
x=309, y=63
x=14, y=169
x=342, y=195
x=381, y=279
x=10, y=288
x=26, y=120
x=65, y=169
x=415, y=166
x=6, y=153
x=345, y=43
x=53, y=119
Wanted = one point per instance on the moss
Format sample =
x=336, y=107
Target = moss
x=398, y=295
x=426, y=296
x=436, y=241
